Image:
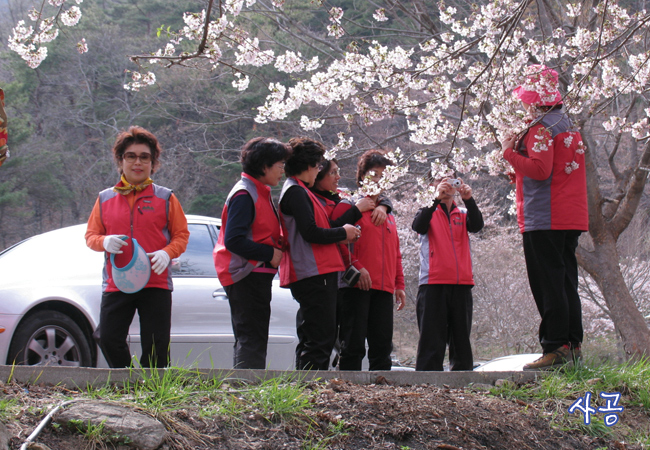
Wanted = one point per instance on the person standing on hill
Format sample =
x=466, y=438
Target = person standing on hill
x=249, y=249
x=444, y=304
x=549, y=165
x=311, y=264
x=137, y=209
x=366, y=308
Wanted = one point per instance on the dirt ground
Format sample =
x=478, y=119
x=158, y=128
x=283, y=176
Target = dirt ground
x=348, y=416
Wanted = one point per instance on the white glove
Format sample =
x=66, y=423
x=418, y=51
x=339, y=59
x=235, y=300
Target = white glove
x=159, y=261
x=114, y=242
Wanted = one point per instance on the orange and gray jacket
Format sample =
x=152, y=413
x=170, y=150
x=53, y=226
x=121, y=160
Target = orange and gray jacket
x=147, y=220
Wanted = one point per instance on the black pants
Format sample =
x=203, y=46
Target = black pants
x=250, y=312
x=444, y=313
x=553, y=277
x=365, y=314
x=154, y=306
x=315, y=320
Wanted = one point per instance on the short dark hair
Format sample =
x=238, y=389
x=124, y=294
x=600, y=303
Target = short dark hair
x=371, y=160
x=137, y=135
x=306, y=153
x=327, y=163
x=260, y=153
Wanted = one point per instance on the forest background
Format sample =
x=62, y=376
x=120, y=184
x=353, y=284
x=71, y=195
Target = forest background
x=65, y=114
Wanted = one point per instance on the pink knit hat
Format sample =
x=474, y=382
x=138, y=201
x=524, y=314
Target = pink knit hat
x=540, y=87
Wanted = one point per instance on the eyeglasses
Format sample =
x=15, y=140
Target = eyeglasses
x=280, y=165
x=335, y=172
x=320, y=166
x=131, y=157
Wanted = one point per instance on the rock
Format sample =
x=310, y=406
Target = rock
x=4, y=437
x=480, y=387
x=135, y=429
x=35, y=446
x=508, y=384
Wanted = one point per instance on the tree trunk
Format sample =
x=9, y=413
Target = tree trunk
x=604, y=268
x=607, y=220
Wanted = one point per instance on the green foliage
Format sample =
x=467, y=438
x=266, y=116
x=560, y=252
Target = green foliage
x=9, y=408
x=10, y=195
x=630, y=378
x=164, y=390
x=595, y=429
x=316, y=439
x=208, y=204
x=147, y=16
x=280, y=398
x=640, y=438
x=161, y=391
x=223, y=175
x=107, y=392
x=558, y=389
x=17, y=96
x=96, y=434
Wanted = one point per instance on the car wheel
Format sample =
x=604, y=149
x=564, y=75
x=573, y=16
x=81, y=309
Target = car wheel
x=50, y=338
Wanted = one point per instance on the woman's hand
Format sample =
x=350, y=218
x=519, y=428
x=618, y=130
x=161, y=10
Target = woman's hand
x=365, y=204
x=113, y=243
x=464, y=190
x=400, y=299
x=444, y=190
x=365, y=282
x=379, y=215
x=159, y=261
x=352, y=233
x=508, y=142
x=277, y=257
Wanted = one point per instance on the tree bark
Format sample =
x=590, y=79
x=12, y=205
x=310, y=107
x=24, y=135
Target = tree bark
x=603, y=262
x=603, y=266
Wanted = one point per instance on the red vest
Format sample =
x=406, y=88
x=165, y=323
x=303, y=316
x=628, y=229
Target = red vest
x=327, y=203
x=265, y=229
x=445, y=250
x=377, y=250
x=302, y=259
x=146, y=222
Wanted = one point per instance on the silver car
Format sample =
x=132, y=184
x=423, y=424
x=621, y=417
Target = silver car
x=50, y=294
x=510, y=363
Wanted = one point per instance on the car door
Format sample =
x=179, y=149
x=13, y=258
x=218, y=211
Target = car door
x=201, y=333
x=201, y=327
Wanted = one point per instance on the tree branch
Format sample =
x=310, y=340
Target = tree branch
x=630, y=203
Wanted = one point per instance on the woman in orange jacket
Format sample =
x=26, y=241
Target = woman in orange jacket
x=136, y=209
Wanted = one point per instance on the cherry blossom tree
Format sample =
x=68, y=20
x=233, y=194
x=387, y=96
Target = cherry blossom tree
x=438, y=79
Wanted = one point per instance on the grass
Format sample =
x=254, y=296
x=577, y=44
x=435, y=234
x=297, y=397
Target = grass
x=162, y=391
x=288, y=402
x=9, y=407
x=559, y=389
x=316, y=441
x=274, y=400
x=97, y=435
x=280, y=399
x=159, y=392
